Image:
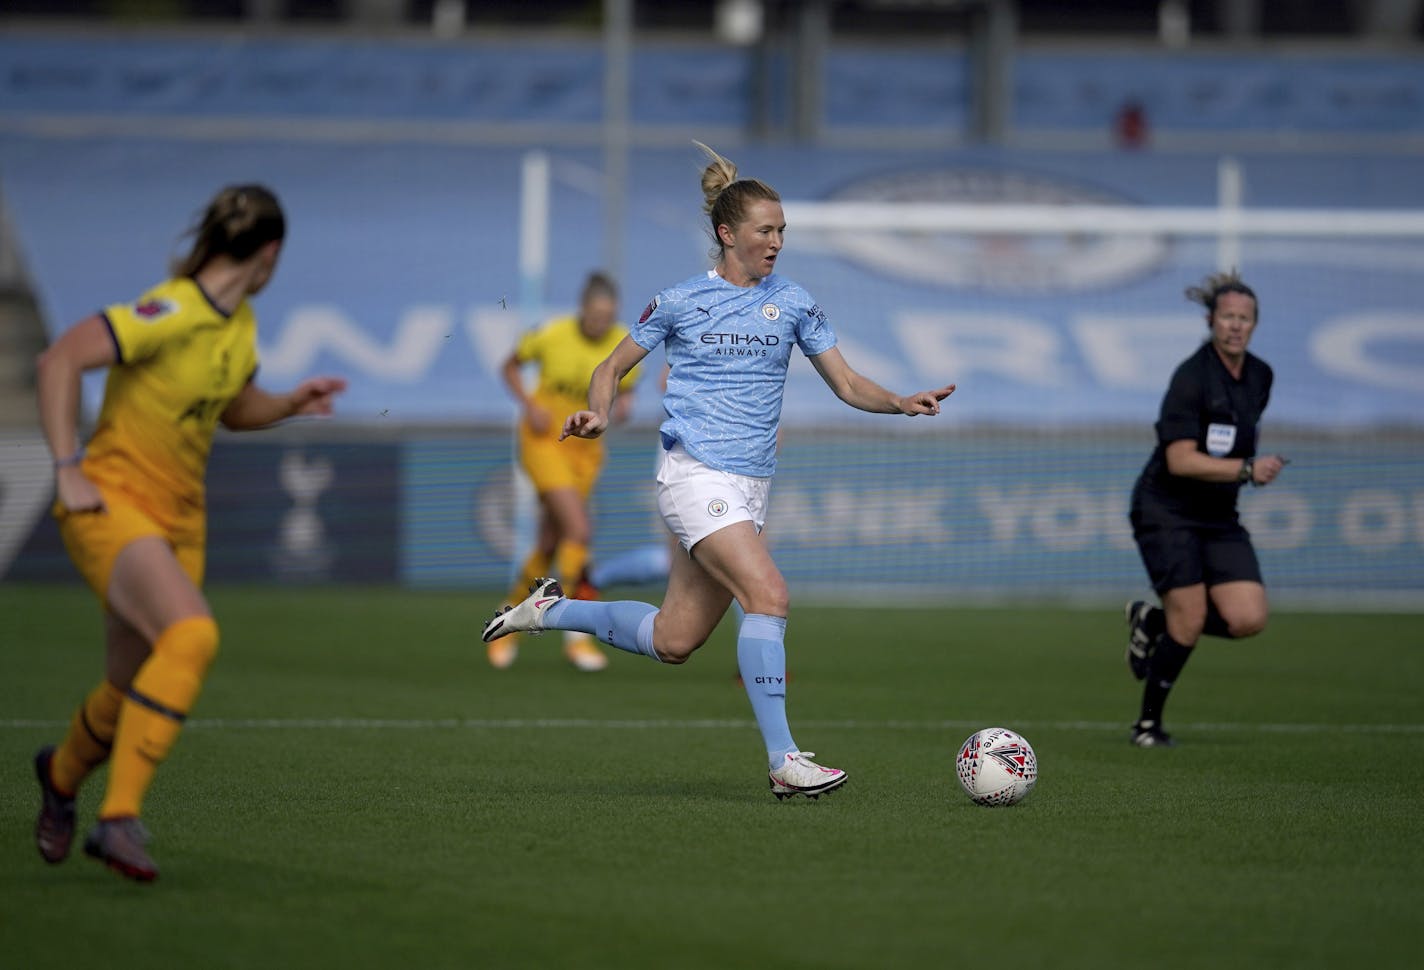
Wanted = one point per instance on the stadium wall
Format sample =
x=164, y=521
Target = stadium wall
x=537, y=84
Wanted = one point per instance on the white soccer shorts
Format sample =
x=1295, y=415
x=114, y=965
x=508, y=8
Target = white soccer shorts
x=696, y=501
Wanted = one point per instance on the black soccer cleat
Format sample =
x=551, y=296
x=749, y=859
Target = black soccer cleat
x=54, y=828
x=1144, y=623
x=1149, y=734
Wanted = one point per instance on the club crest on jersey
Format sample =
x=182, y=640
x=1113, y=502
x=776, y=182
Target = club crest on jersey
x=153, y=309
x=717, y=508
x=648, y=310
x=771, y=311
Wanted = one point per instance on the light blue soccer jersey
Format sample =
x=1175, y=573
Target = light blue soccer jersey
x=728, y=348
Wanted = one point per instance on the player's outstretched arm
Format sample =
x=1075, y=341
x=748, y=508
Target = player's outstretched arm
x=602, y=389
x=255, y=408
x=925, y=402
x=861, y=392
x=584, y=424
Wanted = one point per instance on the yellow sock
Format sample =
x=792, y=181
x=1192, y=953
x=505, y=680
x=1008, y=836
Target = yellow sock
x=162, y=694
x=572, y=557
x=91, y=735
x=535, y=566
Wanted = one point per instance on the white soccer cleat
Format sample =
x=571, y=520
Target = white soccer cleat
x=799, y=775
x=526, y=616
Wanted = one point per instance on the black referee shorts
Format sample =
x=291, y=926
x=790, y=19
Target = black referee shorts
x=1179, y=554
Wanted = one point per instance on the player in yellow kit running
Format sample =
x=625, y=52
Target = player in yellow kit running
x=130, y=505
x=565, y=350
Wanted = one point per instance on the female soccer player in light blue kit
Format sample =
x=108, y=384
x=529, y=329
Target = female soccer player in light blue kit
x=728, y=335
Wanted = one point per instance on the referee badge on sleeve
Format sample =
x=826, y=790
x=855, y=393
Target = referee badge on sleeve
x=1220, y=439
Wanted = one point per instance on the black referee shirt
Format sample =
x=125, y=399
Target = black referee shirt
x=1220, y=413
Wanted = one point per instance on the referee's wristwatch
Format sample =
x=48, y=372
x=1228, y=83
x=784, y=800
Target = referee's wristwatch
x=1248, y=470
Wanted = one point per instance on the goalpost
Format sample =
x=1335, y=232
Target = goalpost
x=1228, y=222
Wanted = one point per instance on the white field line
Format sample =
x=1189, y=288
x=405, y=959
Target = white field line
x=695, y=724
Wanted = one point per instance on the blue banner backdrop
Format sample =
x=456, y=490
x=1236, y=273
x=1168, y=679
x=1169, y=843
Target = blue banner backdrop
x=931, y=517
x=952, y=517
x=299, y=509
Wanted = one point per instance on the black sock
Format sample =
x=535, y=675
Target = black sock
x=1216, y=623
x=1166, y=665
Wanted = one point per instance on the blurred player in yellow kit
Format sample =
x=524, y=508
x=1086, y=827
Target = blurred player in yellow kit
x=131, y=511
x=565, y=350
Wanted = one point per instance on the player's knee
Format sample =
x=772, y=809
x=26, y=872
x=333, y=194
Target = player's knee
x=1247, y=624
x=674, y=644
x=772, y=599
x=677, y=650
x=191, y=642
x=1186, y=625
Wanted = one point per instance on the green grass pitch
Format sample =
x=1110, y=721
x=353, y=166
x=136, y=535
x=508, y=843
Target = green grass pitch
x=359, y=790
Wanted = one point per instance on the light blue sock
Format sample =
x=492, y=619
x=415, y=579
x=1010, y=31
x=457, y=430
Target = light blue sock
x=645, y=564
x=625, y=624
x=761, y=657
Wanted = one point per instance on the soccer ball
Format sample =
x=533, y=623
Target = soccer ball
x=996, y=767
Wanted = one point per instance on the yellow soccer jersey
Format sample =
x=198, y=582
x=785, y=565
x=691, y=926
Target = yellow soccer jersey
x=181, y=361
x=566, y=360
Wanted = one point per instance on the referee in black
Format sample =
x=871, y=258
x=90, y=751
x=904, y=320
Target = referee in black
x=1198, y=555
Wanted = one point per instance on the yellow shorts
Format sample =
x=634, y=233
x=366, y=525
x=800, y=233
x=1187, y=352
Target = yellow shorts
x=552, y=464
x=95, y=539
